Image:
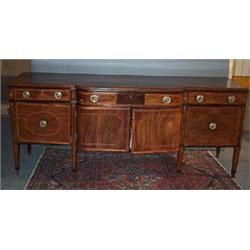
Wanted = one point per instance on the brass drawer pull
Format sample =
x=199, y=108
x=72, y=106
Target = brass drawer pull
x=212, y=125
x=166, y=99
x=26, y=94
x=58, y=95
x=231, y=99
x=200, y=98
x=94, y=98
x=43, y=123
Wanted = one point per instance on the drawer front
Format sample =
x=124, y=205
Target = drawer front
x=40, y=95
x=97, y=98
x=43, y=123
x=164, y=99
x=105, y=129
x=229, y=98
x=212, y=126
x=156, y=130
x=130, y=99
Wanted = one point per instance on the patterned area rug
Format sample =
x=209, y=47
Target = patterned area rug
x=127, y=171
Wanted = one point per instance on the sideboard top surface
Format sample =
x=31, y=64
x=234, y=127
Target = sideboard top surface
x=124, y=83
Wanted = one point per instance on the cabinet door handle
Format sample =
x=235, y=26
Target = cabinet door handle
x=43, y=123
x=94, y=98
x=26, y=94
x=212, y=125
x=231, y=99
x=58, y=94
x=166, y=99
x=200, y=98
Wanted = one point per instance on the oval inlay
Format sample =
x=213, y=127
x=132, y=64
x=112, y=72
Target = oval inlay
x=31, y=123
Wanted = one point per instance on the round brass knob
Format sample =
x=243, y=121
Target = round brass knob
x=58, y=94
x=200, y=98
x=43, y=123
x=212, y=125
x=26, y=94
x=231, y=99
x=166, y=99
x=94, y=98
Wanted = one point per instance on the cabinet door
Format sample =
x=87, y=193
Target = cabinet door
x=103, y=129
x=43, y=123
x=156, y=130
x=213, y=126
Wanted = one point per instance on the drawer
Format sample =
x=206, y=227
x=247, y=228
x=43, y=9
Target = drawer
x=229, y=98
x=213, y=126
x=97, y=98
x=43, y=123
x=163, y=99
x=130, y=99
x=23, y=94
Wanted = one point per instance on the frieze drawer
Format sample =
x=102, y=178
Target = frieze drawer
x=27, y=94
x=216, y=98
x=97, y=98
x=167, y=99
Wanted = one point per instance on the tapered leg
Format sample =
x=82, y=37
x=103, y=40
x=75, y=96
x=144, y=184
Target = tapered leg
x=180, y=159
x=218, y=152
x=236, y=156
x=74, y=157
x=29, y=148
x=16, y=153
x=74, y=145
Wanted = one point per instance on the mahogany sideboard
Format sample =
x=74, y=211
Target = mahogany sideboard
x=137, y=114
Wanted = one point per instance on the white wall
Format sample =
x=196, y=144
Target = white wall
x=164, y=67
x=242, y=68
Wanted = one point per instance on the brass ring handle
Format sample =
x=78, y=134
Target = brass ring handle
x=26, y=94
x=58, y=94
x=94, y=98
x=231, y=99
x=200, y=98
x=212, y=125
x=43, y=123
x=166, y=99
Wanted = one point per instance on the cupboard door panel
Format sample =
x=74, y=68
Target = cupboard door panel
x=156, y=130
x=103, y=129
x=43, y=123
x=213, y=126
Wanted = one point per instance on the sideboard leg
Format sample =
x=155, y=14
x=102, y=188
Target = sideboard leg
x=74, y=145
x=180, y=159
x=16, y=153
x=217, y=152
x=29, y=148
x=74, y=158
x=236, y=156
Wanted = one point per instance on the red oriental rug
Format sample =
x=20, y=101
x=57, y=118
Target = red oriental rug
x=127, y=171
